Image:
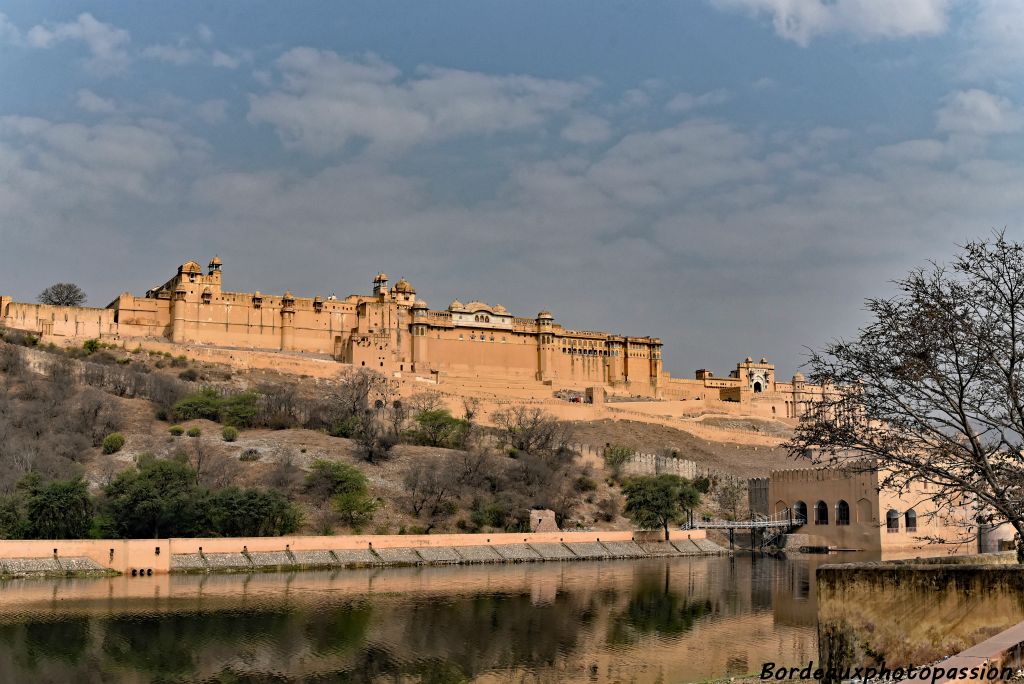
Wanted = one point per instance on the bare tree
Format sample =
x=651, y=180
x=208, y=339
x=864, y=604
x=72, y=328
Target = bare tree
x=285, y=475
x=931, y=391
x=62, y=294
x=532, y=430
x=470, y=408
x=375, y=437
x=424, y=401
x=431, y=488
x=360, y=389
x=729, y=494
x=199, y=456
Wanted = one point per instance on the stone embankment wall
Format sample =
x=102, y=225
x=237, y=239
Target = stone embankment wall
x=946, y=605
x=159, y=556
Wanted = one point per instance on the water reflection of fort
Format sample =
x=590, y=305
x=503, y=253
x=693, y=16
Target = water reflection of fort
x=678, y=619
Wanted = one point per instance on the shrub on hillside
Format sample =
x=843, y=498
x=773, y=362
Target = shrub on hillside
x=113, y=443
x=250, y=455
x=584, y=484
x=176, y=430
x=194, y=432
x=189, y=375
x=229, y=433
x=327, y=479
x=345, y=427
x=203, y=404
x=237, y=410
x=354, y=509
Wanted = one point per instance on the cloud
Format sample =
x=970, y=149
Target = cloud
x=224, y=60
x=186, y=51
x=9, y=33
x=179, y=55
x=212, y=111
x=586, y=129
x=106, y=43
x=325, y=101
x=89, y=101
x=994, y=40
x=803, y=20
x=684, y=102
x=978, y=112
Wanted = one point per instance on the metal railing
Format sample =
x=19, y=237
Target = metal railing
x=781, y=520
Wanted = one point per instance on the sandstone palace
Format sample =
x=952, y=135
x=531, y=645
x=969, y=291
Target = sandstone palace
x=392, y=331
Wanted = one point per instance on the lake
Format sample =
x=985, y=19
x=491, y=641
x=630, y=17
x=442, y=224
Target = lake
x=654, y=620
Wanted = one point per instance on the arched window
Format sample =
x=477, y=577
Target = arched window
x=800, y=513
x=892, y=521
x=911, y=520
x=842, y=513
x=821, y=513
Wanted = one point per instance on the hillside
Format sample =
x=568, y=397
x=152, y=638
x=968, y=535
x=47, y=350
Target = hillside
x=726, y=457
x=481, y=486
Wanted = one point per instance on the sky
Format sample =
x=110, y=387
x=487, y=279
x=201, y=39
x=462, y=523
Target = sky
x=733, y=176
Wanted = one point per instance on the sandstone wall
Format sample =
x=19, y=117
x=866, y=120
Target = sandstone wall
x=945, y=606
x=123, y=555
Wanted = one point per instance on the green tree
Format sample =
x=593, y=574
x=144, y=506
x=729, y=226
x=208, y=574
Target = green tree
x=62, y=294
x=328, y=479
x=616, y=456
x=203, y=404
x=438, y=428
x=355, y=509
x=61, y=509
x=654, y=502
x=157, y=498
x=12, y=517
x=236, y=512
x=238, y=410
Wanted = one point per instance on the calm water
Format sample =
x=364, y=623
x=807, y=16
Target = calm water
x=658, y=620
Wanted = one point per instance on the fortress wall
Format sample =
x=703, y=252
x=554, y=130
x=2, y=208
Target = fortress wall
x=517, y=356
x=139, y=317
x=122, y=555
x=59, y=321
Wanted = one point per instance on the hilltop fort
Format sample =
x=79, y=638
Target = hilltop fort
x=394, y=332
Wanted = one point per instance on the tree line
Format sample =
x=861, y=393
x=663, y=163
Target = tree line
x=156, y=498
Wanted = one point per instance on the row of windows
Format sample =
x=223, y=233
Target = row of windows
x=588, y=352
x=474, y=337
x=842, y=516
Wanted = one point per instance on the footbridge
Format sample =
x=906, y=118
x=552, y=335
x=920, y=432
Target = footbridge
x=771, y=527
